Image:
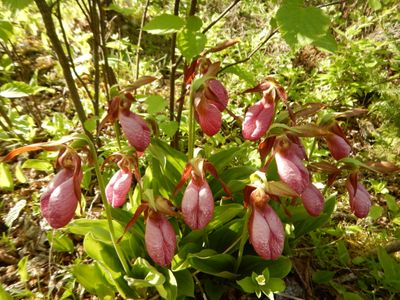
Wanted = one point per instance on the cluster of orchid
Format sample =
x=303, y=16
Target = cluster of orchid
x=209, y=99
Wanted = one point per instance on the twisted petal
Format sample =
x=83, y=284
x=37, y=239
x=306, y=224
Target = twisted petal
x=338, y=146
x=313, y=200
x=266, y=232
x=160, y=239
x=58, y=203
x=197, y=205
x=360, y=199
x=135, y=129
x=118, y=187
x=258, y=119
x=217, y=94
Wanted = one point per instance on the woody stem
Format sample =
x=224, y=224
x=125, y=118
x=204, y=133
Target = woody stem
x=107, y=206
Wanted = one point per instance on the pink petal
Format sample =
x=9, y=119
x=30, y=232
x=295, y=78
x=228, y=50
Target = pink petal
x=360, y=202
x=118, y=187
x=266, y=232
x=197, y=205
x=313, y=200
x=160, y=239
x=62, y=176
x=292, y=172
x=217, y=93
x=209, y=117
x=61, y=205
x=338, y=146
x=135, y=129
x=257, y=120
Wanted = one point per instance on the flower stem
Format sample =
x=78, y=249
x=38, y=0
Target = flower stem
x=107, y=206
x=243, y=240
x=192, y=125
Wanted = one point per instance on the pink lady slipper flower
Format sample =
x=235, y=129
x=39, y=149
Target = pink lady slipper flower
x=198, y=201
x=260, y=115
x=118, y=187
x=160, y=238
x=337, y=142
x=360, y=199
x=313, y=200
x=266, y=233
x=290, y=166
x=210, y=101
x=58, y=203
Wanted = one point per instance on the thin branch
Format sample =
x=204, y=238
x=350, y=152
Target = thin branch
x=173, y=69
x=232, y=5
x=63, y=60
x=146, y=7
x=84, y=10
x=94, y=17
x=260, y=45
x=69, y=52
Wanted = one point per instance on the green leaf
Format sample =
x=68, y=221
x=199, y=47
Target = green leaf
x=276, y=285
x=169, y=127
x=223, y=214
x=213, y=290
x=38, y=164
x=169, y=290
x=23, y=269
x=17, y=4
x=194, y=23
x=14, y=213
x=321, y=277
x=185, y=283
x=209, y=262
x=191, y=43
x=343, y=254
x=90, y=123
x=6, y=30
x=143, y=274
x=16, y=89
x=391, y=203
x=6, y=180
x=99, y=229
x=19, y=174
x=128, y=12
x=375, y=212
x=93, y=279
x=164, y=24
x=60, y=241
x=247, y=284
x=3, y=294
x=351, y=296
x=375, y=4
x=155, y=104
x=302, y=26
x=390, y=267
x=224, y=157
x=279, y=268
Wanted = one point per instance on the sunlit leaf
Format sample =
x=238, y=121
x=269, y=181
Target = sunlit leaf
x=6, y=180
x=164, y=24
x=14, y=213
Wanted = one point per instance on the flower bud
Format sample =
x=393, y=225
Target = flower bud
x=58, y=203
x=266, y=232
x=313, y=200
x=207, y=115
x=118, y=187
x=160, y=239
x=136, y=129
x=197, y=204
x=258, y=118
x=360, y=200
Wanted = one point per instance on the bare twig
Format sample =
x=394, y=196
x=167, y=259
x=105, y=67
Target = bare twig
x=260, y=45
x=94, y=17
x=146, y=7
x=232, y=5
x=84, y=10
x=173, y=69
x=45, y=11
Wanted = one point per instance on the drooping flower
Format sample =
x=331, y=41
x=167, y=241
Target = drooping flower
x=160, y=238
x=290, y=167
x=197, y=204
x=118, y=187
x=258, y=118
x=198, y=200
x=337, y=143
x=59, y=202
x=136, y=129
x=360, y=199
x=313, y=200
x=266, y=233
